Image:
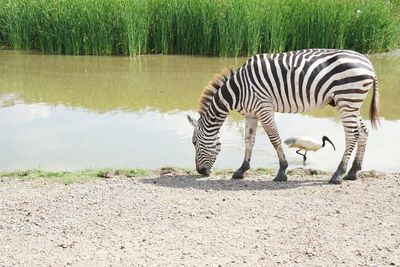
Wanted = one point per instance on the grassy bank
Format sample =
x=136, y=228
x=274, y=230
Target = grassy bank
x=67, y=177
x=82, y=176
x=201, y=27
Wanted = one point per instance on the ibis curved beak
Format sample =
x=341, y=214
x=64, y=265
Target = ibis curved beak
x=325, y=138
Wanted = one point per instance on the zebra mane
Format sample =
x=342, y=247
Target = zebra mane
x=212, y=88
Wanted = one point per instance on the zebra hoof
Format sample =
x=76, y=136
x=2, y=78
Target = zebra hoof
x=336, y=180
x=350, y=177
x=238, y=174
x=281, y=177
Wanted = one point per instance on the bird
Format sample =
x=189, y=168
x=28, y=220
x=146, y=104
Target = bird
x=307, y=144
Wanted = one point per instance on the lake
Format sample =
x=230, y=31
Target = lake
x=76, y=112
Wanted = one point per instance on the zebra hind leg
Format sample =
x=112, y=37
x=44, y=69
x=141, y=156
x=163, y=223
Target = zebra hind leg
x=268, y=122
x=250, y=135
x=349, y=121
x=361, y=144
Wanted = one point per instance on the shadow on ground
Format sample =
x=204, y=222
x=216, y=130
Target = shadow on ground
x=227, y=184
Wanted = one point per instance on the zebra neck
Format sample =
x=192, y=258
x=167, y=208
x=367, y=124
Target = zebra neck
x=211, y=124
x=216, y=112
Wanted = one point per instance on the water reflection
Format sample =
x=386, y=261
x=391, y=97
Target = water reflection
x=162, y=83
x=102, y=84
x=68, y=112
x=37, y=135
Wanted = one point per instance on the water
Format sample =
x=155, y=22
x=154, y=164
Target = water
x=70, y=112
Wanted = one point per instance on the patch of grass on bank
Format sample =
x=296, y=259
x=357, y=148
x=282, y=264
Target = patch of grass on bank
x=67, y=177
x=200, y=27
x=57, y=176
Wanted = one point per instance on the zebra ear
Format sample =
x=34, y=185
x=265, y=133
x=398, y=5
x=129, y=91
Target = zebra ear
x=192, y=121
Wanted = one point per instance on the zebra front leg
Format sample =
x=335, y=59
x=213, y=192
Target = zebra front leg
x=250, y=135
x=351, y=134
x=268, y=122
x=361, y=144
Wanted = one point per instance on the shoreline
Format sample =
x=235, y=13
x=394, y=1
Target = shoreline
x=86, y=175
x=391, y=52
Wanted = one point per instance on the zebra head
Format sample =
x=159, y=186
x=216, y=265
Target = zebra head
x=206, y=147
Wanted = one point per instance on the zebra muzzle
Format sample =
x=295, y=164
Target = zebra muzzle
x=204, y=171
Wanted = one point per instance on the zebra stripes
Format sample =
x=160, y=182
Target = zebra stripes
x=291, y=82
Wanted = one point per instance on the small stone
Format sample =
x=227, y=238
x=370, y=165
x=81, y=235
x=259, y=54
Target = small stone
x=63, y=245
x=107, y=175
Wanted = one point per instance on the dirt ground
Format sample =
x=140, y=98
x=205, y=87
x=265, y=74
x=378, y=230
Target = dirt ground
x=192, y=221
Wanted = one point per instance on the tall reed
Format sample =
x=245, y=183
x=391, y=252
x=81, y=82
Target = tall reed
x=201, y=27
x=136, y=20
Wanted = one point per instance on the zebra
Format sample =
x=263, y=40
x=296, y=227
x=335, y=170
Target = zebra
x=291, y=82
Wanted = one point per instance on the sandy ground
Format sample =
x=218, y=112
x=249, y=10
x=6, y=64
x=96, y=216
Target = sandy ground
x=191, y=221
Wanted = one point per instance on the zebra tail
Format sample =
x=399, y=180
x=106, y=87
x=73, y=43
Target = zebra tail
x=374, y=107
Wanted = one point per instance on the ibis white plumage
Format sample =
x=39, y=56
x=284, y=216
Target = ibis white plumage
x=306, y=144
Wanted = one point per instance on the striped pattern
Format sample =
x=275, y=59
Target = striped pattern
x=291, y=82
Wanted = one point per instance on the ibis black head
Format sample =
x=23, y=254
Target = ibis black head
x=325, y=138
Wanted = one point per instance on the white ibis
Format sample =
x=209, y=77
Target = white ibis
x=307, y=144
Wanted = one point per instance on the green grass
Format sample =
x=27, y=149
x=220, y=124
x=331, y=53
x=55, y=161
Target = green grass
x=68, y=177
x=56, y=176
x=200, y=27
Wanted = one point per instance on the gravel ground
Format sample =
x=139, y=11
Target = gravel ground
x=191, y=221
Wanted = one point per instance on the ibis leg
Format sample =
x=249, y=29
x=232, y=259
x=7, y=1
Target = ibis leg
x=304, y=156
x=250, y=135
